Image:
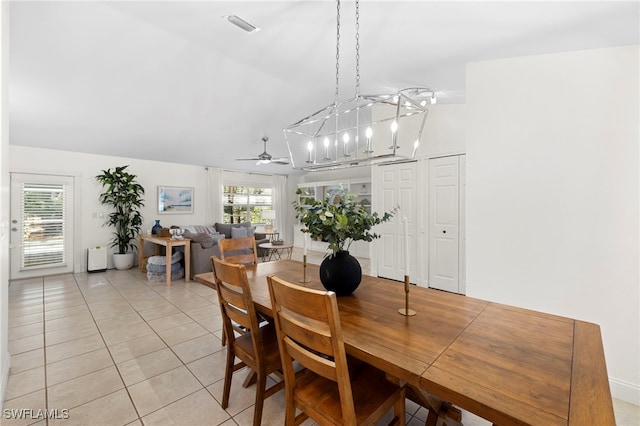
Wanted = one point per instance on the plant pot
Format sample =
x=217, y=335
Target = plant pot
x=123, y=261
x=341, y=273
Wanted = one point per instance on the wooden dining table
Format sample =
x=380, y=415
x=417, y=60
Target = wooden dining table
x=509, y=365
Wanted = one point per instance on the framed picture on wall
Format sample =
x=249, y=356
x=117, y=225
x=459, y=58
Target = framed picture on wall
x=175, y=200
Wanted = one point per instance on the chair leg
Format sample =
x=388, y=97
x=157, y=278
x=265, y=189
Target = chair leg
x=228, y=375
x=400, y=409
x=260, y=388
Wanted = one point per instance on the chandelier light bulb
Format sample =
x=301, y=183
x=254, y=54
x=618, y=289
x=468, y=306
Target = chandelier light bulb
x=345, y=139
x=325, y=142
x=394, y=126
x=423, y=103
x=368, y=132
x=310, y=148
x=433, y=99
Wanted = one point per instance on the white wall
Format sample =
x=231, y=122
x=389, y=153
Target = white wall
x=552, y=192
x=4, y=200
x=445, y=131
x=89, y=230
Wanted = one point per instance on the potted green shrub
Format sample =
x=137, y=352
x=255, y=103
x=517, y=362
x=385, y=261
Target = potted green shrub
x=339, y=220
x=124, y=195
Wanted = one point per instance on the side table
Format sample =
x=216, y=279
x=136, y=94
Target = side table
x=275, y=251
x=169, y=243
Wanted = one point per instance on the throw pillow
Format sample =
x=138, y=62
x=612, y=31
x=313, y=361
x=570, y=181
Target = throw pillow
x=217, y=237
x=205, y=240
x=237, y=232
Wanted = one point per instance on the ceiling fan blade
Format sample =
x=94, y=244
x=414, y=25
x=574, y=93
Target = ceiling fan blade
x=280, y=161
x=247, y=159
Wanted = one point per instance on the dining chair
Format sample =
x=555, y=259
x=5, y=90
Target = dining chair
x=332, y=389
x=257, y=347
x=239, y=250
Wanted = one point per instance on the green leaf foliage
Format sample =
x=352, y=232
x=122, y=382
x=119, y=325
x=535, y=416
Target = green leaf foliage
x=338, y=223
x=124, y=195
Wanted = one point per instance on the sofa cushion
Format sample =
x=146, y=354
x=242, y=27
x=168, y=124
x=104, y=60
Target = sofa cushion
x=242, y=232
x=200, y=229
x=203, y=238
x=225, y=228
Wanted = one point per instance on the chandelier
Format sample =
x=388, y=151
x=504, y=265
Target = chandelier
x=362, y=130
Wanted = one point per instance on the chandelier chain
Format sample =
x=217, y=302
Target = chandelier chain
x=337, y=51
x=357, y=48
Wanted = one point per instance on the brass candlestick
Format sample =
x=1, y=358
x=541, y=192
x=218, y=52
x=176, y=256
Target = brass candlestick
x=304, y=269
x=406, y=311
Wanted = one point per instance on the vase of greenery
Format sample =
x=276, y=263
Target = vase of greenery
x=124, y=195
x=339, y=220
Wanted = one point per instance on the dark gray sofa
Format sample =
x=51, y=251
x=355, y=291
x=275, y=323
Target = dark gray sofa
x=225, y=228
x=204, y=243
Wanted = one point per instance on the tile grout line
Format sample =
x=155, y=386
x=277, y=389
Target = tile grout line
x=126, y=388
x=44, y=351
x=183, y=364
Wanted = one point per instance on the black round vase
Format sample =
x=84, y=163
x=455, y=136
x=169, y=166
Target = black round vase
x=341, y=273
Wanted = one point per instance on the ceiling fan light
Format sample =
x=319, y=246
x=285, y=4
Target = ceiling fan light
x=241, y=23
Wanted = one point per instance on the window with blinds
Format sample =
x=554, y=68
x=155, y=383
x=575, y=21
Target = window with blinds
x=43, y=230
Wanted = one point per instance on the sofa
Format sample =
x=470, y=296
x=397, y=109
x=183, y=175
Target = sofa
x=205, y=239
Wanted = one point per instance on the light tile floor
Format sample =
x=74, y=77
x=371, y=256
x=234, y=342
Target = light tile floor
x=115, y=349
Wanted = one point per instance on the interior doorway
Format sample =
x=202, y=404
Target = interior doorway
x=447, y=223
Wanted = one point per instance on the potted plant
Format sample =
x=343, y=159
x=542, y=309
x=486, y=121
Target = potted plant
x=339, y=220
x=124, y=195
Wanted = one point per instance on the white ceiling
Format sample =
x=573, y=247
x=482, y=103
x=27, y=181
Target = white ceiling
x=172, y=81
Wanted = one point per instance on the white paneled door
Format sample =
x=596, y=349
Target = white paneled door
x=446, y=214
x=41, y=225
x=396, y=186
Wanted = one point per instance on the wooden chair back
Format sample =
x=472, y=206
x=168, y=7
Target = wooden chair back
x=239, y=250
x=234, y=295
x=256, y=347
x=329, y=390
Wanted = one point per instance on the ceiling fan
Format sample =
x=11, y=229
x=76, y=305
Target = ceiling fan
x=265, y=157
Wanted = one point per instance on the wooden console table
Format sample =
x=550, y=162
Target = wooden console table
x=169, y=243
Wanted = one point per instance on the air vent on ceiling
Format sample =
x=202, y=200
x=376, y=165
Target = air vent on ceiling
x=241, y=23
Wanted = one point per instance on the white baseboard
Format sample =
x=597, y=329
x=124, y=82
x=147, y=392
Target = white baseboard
x=4, y=378
x=625, y=391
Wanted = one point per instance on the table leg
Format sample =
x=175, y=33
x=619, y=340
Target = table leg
x=140, y=252
x=168, y=267
x=187, y=262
